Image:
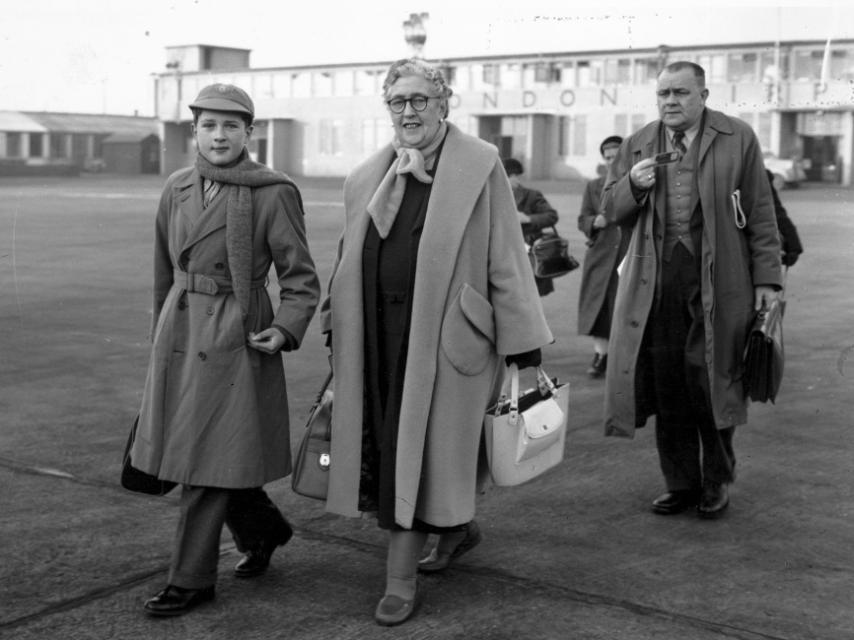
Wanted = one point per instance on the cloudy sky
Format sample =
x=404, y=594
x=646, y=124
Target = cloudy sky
x=98, y=55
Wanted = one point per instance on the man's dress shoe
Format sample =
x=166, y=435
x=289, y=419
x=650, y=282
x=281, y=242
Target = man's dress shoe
x=393, y=610
x=440, y=561
x=174, y=601
x=714, y=501
x=257, y=559
x=674, y=502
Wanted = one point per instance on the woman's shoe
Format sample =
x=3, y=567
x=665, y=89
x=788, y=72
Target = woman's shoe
x=393, y=610
x=598, y=366
x=437, y=561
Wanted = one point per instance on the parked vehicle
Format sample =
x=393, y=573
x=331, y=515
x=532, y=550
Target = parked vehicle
x=788, y=172
x=94, y=165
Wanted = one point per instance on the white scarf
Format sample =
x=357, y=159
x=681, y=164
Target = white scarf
x=386, y=200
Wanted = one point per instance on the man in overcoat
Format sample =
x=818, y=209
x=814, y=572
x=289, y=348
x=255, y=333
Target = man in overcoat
x=704, y=256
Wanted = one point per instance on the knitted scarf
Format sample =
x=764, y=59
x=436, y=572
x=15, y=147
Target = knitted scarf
x=238, y=181
x=386, y=200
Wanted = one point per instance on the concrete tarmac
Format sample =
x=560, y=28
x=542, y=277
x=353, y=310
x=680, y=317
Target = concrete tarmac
x=575, y=553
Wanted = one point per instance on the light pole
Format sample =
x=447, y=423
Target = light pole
x=175, y=67
x=415, y=34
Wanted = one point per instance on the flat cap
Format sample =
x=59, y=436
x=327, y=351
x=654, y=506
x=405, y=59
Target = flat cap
x=224, y=97
x=610, y=141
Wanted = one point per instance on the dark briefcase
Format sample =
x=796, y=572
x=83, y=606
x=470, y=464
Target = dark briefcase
x=135, y=480
x=764, y=354
x=550, y=257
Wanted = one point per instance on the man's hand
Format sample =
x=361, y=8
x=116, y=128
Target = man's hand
x=523, y=217
x=763, y=297
x=600, y=222
x=642, y=175
x=269, y=340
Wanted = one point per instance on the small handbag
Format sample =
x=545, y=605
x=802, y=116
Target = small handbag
x=525, y=435
x=310, y=475
x=550, y=257
x=764, y=354
x=139, y=481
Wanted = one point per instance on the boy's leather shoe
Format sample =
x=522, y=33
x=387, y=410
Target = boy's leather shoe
x=257, y=560
x=714, y=501
x=435, y=561
x=174, y=601
x=674, y=502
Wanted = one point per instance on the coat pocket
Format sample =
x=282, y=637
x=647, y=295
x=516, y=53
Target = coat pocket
x=468, y=332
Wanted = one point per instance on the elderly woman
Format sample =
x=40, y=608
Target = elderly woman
x=430, y=285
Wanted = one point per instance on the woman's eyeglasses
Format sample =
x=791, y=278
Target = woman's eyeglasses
x=419, y=103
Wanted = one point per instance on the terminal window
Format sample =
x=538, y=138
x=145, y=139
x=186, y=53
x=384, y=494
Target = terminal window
x=36, y=145
x=13, y=145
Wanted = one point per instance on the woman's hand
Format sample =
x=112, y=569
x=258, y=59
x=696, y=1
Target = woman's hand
x=523, y=360
x=269, y=340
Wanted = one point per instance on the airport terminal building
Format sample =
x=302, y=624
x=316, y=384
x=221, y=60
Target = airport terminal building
x=549, y=110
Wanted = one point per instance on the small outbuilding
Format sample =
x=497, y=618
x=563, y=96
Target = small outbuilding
x=131, y=153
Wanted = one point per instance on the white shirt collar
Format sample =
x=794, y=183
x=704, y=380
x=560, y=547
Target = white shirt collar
x=690, y=134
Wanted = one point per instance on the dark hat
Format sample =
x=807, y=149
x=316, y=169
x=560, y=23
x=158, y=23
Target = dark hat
x=224, y=97
x=610, y=141
x=512, y=167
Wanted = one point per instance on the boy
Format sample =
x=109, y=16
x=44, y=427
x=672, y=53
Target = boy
x=214, y=414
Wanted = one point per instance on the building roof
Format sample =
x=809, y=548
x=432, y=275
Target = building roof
x=204, y=46
x=14, y=121
x=93, y=123
x=115, y=138
x=536, y=56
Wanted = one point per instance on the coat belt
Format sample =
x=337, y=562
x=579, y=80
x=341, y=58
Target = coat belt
x=208, y=285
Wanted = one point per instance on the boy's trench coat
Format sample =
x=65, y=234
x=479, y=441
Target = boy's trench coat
x=214, y=411
x=474, y=298
x=733, y=261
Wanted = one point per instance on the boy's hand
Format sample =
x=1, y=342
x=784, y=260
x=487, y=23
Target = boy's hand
x=269, y=340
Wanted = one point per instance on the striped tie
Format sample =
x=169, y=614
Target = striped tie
x=211, y=189
x=678, y=137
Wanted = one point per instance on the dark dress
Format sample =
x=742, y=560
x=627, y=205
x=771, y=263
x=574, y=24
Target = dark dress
x=388, y=268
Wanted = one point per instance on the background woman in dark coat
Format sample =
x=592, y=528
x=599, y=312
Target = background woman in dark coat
x=534, y=211
x=606, y=247
x=789, y=238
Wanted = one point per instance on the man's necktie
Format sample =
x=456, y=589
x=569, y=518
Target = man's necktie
x=678, y=137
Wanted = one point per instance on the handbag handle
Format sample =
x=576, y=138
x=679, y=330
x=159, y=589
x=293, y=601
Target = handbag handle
x=321, y=392
x=543, y=382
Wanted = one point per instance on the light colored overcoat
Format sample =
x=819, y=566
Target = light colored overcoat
x=474, y=298
x=733, y=261
x=215, y=412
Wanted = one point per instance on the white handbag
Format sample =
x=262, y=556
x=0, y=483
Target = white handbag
x=525, y=436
